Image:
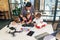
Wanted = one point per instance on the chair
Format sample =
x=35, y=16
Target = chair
x=2, y=14
x=58, y=27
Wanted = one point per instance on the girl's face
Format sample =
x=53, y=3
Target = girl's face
x=28, y=16
x=37, y=17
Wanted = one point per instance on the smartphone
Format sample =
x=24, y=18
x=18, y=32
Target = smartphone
x=30, y=33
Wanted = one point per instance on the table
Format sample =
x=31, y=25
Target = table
x=22, y=36
x=49, y=37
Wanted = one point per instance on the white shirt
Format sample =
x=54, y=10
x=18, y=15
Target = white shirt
x=38, y=20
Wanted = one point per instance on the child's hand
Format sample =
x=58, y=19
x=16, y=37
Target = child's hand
x=24, y=18
x=23, y=22
x=35, y=24
x=13, y=23
x=41, y=21
x=21, y=15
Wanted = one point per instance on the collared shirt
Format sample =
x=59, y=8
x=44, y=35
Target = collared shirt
x=24, y=11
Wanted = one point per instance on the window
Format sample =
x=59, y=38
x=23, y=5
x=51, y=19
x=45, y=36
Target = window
x=49, y=8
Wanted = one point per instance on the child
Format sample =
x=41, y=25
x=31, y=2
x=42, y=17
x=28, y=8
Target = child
x=15, y=20
x=38, y=21
x=13, y=27
x=28, y=20
x=38, y=18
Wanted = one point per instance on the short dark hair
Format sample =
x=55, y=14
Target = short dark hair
x=28, y=4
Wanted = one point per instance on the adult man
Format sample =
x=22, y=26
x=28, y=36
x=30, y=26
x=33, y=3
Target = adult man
x=27, y=9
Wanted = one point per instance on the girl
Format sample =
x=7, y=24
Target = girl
x=13, y=27
x=15, y=20
x=38, y=21
x=38, y=18
x=28, y=20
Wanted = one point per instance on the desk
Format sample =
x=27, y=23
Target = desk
x=22, y=36
x=47, y=29
x=49, y=37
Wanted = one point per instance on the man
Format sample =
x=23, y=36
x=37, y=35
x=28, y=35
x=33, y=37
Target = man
x=27, y=9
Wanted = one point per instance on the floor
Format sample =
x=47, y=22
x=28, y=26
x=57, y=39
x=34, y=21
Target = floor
x=3, y=23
